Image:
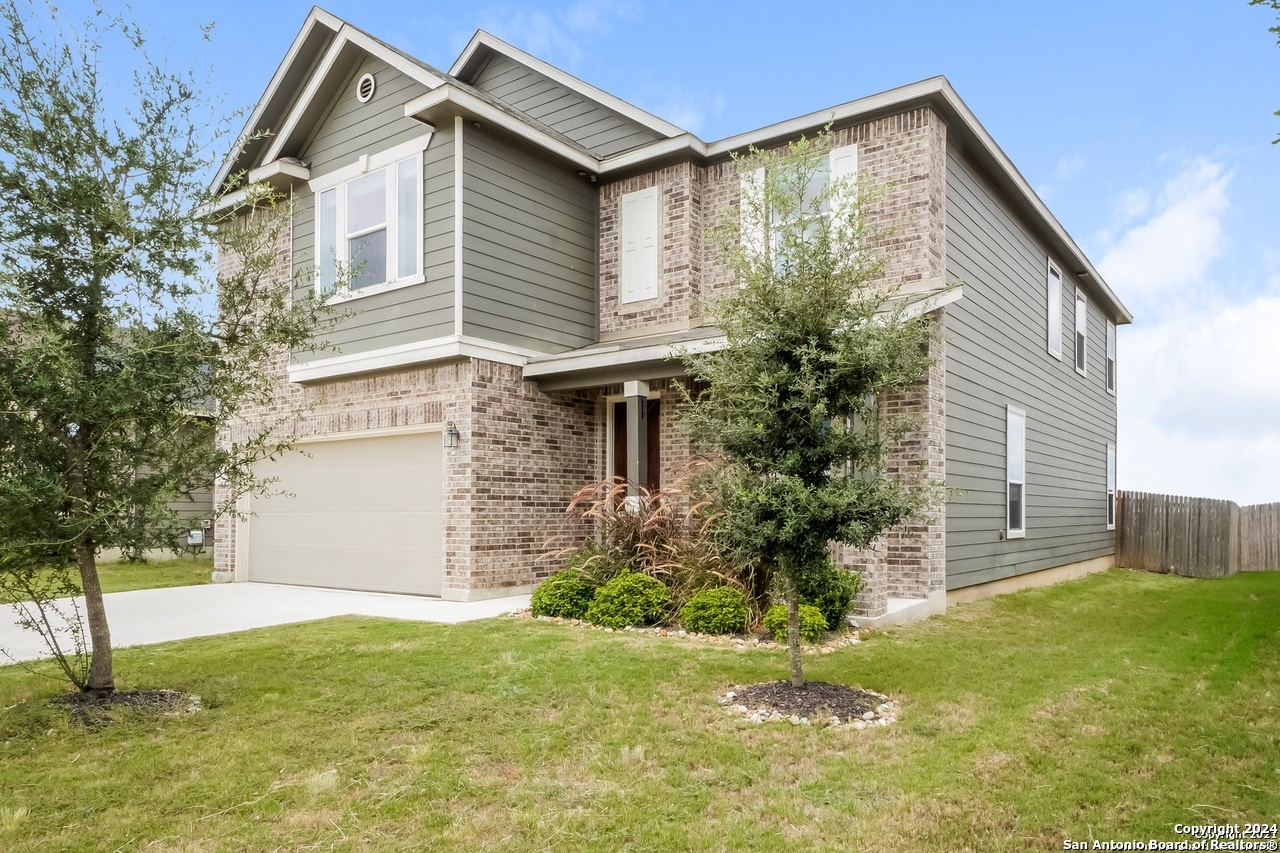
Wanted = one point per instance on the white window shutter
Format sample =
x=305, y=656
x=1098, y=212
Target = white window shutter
x=750, y=210
x=638, y=234
x=844, y=169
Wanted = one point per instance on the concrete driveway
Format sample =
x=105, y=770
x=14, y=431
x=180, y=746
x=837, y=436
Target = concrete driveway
x=160, y=615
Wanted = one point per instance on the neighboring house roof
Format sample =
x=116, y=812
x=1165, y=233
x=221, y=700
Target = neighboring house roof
x=326, y=45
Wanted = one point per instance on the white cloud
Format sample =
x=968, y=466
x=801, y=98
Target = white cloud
x=1174, y=248
x=556, y=36
x=1199, y=371
x=686, y=110
x=1070, y=166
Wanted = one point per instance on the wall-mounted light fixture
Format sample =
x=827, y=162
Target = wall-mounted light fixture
x=451, y=435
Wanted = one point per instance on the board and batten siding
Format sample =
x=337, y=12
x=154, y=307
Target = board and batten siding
x=591, y=125
x=410, y=314
x=529, y=248
x=997, y=357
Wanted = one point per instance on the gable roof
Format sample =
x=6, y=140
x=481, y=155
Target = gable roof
x=484, y=45
x=326, y=46
x=300, y=90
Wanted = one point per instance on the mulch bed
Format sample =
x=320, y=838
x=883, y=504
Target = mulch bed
x=96, y=711
x=812, y=702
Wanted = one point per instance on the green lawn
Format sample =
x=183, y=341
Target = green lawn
x=1111, y=707
x=122, y=577
x=183, y=571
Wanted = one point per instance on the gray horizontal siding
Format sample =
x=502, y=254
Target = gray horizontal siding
x=996, y=357
x=351, y=128
x=586, y=122
x=406, y=315
x=529, y=248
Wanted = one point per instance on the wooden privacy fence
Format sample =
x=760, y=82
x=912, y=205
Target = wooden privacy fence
x=1195, y=537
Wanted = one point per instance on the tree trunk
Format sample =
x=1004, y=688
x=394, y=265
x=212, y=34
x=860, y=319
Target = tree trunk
x=101, y=680
x=793, y=634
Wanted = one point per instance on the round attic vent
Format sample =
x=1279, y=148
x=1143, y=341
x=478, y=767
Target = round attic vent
x=364, y=89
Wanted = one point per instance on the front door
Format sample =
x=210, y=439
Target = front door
x=653, y=442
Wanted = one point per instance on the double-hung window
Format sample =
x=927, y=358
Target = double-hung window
x=1082, y=332
x=369, y=224
x=1111, y=486
x=1053, y=306
x=841, y=164
x=1111, y=356
x=1016, y=472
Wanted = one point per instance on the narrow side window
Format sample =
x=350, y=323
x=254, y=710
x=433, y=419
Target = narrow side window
x=1082, y=332
x=327, y=240
x=1111, y=486
x=1111, y=357
x=1053, y=305
x=1016, y=468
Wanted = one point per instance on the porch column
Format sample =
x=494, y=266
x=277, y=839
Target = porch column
x=637, y=394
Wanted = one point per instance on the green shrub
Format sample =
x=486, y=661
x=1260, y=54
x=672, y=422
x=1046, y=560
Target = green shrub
x=832, y=591
x=812, y=623
x=629, y=599
x=563, y=594
x=720, y=610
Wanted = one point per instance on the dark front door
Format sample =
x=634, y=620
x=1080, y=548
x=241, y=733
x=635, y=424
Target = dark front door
x=653, y=442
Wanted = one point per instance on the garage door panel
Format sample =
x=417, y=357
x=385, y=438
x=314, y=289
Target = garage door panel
x=365, y=514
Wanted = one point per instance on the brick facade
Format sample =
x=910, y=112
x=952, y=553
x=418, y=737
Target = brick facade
x=906, y=155
x=523, y=453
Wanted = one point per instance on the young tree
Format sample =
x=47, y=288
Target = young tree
x=118, y=358
x=790, y=404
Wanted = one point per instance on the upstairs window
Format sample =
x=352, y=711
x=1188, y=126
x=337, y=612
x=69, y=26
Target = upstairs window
x=841, y=163
x=1053, y=305
x=1111, y=357
x=638, y=233
x=1111, y=487
x=1082, y=332
x=1016, y=472
x=370, y=226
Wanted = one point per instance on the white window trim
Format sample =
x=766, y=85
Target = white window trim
x=1111, y=370
x=1111, y=486
x=1081, y=324
x=337, y=179
x=1010, y=532
x=1052, y=274
x=650, y=192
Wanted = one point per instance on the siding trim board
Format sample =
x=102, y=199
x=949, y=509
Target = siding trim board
x=445, y=348
x=459, y=291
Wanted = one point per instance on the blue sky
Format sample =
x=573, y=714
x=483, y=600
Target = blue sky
x=1145, y=126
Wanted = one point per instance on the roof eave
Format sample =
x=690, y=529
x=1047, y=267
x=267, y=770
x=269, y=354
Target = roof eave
x=452, y=100
x=483, y=41
x=302, y=46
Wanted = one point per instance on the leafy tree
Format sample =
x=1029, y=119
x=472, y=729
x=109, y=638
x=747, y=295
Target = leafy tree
x=791, y=403
x=120, y=356
x=1275, y=7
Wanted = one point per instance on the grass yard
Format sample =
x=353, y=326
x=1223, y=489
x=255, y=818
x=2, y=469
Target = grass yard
x=1112, y=707
x=123, y=577
x=182, y=571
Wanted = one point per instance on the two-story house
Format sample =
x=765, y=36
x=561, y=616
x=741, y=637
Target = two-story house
x=529, y=251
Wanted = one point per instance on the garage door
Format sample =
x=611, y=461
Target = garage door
x=362, y=514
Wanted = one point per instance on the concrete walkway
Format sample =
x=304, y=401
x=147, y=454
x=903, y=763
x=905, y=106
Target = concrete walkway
x=160, y=615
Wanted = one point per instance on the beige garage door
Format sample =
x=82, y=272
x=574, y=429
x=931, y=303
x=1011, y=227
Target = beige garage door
x=364, y=514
